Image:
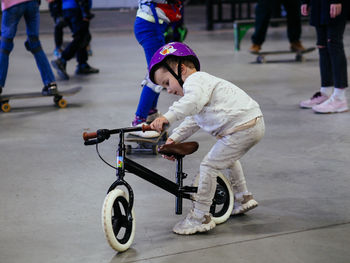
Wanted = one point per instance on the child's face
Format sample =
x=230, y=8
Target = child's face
x=165, y=79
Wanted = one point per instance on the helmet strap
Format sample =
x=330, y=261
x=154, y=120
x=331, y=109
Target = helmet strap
x=177, y=76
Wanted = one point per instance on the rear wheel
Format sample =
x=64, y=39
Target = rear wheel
x=223, y=200
x=118, y=224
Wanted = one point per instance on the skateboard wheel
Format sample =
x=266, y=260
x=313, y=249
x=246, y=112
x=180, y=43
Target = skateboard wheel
x=260, y=59
x=300, y=58
x=5, y=107
x=62, y=103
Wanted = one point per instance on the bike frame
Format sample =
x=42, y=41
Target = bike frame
x=125, y=164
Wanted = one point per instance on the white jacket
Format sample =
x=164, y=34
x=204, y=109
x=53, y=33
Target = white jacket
x=210, y=103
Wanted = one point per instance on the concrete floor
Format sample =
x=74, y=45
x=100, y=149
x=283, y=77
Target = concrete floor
x=52, y=186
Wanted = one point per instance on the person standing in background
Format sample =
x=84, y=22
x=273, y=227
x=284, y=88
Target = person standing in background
x=329, y=19
x=12, y=12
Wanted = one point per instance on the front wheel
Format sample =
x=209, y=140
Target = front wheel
x=223, y=200
x=118, y=224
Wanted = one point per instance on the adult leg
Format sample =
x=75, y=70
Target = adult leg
x=334, y=46
x=325, y=60
x=293, y=19
x=337, y=55
x=325, y=71
x=263, y=11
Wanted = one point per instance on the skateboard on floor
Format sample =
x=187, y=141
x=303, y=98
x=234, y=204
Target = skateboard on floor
x=57, y=98
x=145, y=145
x=299, y=55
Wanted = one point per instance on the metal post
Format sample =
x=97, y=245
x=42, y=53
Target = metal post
x=179, y=182
x=209, y=15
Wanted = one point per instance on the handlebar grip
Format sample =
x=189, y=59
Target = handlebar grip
x=146, y=127
x=89, y=135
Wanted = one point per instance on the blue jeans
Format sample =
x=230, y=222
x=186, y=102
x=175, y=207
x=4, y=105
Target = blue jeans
x=333, y=65
x=151, y=38
x=10, y=19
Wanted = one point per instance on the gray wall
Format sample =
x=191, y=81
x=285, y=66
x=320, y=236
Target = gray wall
x=114, y=3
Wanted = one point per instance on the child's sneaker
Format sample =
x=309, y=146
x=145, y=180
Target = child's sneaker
x=139, y=122
x=193, y=224
x=49, y=89
x=316, y=99
x=243, y=203
x=332, y=105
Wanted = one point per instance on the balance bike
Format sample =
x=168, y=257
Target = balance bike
x=118, y=218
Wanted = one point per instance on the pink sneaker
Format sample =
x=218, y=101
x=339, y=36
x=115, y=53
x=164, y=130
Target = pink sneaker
x=316, y=99
x=332, y=105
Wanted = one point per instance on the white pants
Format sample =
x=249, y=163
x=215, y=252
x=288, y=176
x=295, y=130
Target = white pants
x=225, y=155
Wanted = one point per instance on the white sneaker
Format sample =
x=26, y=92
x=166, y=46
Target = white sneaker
x=243, y=203
x=146, y=134
x=192, y=224
x=332, y=105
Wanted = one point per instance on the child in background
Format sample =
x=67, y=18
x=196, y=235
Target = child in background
x=221, y=109
x=152, y=20
x=12, y=12
x=329, y=19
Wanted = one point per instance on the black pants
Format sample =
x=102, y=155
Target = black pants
x=333, y=65
x=263, y=12
x=81, y=36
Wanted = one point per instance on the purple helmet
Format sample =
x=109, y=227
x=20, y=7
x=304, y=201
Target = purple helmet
x=175, y=49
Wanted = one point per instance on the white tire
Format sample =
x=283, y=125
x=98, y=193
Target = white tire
x=223, y=201
x=117, y=225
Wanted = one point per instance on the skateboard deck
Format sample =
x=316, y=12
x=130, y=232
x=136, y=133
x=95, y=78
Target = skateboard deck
x=299, y=55
x=145, y=145
x=57, y=98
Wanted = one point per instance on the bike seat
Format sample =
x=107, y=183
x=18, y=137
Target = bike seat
x=178, y=149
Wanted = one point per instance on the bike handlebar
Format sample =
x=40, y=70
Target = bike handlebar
x=104, y=134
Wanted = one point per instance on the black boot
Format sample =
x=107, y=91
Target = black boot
x=84, y=69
